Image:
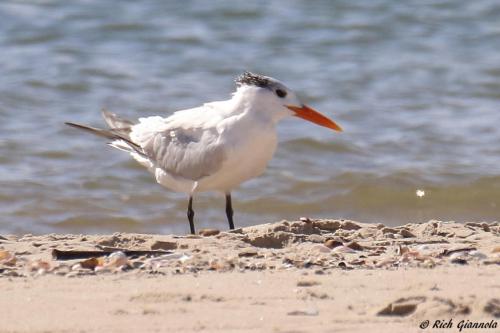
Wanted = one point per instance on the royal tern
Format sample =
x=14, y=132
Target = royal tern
x=213, y=147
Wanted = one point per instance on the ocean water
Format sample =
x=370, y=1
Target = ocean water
x=414, y=84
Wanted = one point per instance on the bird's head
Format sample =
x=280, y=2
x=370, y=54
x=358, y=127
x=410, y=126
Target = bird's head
x=272, y=97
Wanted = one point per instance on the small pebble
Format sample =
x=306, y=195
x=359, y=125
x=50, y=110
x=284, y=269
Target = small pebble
x=307, y=283
x=458, y=261
x=164, y=245
x=208, y=232
x=249, y=252
x=332, y=243
x=311, y=312
x=406, y=233
x=355, y=246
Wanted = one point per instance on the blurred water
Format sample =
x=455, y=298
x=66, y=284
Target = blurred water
x=415, y=84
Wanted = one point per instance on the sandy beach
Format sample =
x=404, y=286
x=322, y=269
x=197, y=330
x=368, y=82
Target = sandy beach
x=301, y=276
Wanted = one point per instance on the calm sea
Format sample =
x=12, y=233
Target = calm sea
x=415, y=84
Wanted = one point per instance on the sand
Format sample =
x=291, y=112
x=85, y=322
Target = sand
x=301, y=276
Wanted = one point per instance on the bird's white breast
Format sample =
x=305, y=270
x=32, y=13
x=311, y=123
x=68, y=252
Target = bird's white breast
x=249, y=146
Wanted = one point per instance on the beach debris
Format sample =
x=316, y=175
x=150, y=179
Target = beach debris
x=322, y=245
x=76, y=254
x=420, y=193
x=402, y=307
x=116, y=260
x=305, y=219
x=7, y=258
x=208, y=232
x=448, y=252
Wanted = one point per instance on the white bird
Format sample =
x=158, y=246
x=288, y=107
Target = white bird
x=213, y=147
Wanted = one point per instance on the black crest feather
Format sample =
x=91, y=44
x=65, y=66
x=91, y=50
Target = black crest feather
x=251, y=79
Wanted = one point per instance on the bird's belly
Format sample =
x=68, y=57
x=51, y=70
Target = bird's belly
x=246, y=161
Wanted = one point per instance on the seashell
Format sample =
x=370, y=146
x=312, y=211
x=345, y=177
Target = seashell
x=116, y=259
x=41, y=266
x=7, y=258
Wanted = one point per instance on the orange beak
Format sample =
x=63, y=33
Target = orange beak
x=309, y=114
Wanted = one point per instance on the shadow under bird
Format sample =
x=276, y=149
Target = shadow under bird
x=213, y=147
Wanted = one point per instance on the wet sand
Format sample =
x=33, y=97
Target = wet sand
x=302, y=276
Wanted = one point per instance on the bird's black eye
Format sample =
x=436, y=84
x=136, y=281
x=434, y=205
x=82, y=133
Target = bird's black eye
x=281, y=93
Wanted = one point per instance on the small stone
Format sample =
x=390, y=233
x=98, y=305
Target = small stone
x=315, y=238
x=458, y=261
x=343, y=265
x=406, y=233
x=332, y=243
x=349, y=225
x=249, y=252
x=307, y=283
x=486, y=227
x=328, y=225
x=355, y=246
x=164, y=245
x=208, y=232
x=311, y=312
x=387, y=230
x=90, y=263
x=493, y=307
x=398, y=309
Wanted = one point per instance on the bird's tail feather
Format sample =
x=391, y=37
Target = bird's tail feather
x=116, y=123
x=119, y=139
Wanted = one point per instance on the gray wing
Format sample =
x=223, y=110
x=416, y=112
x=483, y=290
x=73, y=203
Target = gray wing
x=189, y=153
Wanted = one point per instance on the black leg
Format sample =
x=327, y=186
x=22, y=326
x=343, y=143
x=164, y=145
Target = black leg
x=229, y=211
x=190, y=214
